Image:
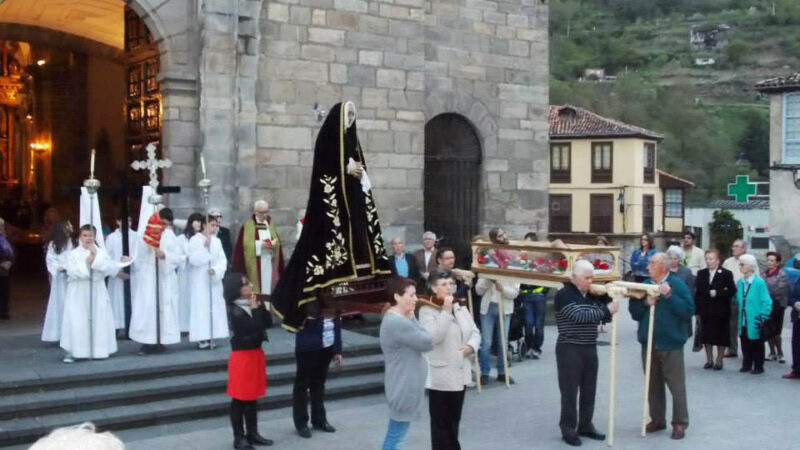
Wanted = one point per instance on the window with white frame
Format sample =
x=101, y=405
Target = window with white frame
x=673, y=202
x=791, y=129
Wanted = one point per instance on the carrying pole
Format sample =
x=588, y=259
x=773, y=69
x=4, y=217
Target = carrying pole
x=648, y=363
x=92, y=185
x=475, y=355
x=205, y=187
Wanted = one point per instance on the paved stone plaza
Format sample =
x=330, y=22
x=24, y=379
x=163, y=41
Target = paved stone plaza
x=728, y=410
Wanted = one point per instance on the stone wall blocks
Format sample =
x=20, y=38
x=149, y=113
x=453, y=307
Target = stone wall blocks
x=379, y=141
x=297, y=70
x=271, y=177
x=411, y=116
x=314, y=52
x=289, y=32
x=481, y=4
x=405, y=28
x=358, y=6
x=284, y=137
x=370, y=58
x=346, y=20
x=411, y=3
x=390, y=78
x=374, y=98
x=370, y=41
x=319, y=17
x=467, y=71
x=380, y=125
x=278, y=157
x=278, y=12
x=516, y=135
x=401, y=125
x=338, y=73
x=361, y=75
x=404, y=62
x=407, y=161
x=322, y=4
x=371, y=24
x=393, y=12
x=300, y=15
x=250, y=8
x=471, y=14
x=326, y=36
x=388, y=178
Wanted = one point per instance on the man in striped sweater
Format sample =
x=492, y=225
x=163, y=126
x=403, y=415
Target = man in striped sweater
x=578, y=315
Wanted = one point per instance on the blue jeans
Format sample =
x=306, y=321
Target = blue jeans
x=534, y=319
x=395, y=434
x=488, y=323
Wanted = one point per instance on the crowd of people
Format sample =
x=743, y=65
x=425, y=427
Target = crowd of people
x=196, y=282
x=738, y=305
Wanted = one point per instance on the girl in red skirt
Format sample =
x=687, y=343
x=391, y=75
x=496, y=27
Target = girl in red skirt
x=247, y=379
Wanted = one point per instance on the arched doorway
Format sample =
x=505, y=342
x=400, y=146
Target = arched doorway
x=452, y=181
x=84, y=74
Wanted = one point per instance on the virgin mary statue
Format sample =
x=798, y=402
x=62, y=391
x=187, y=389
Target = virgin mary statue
x=341, y=238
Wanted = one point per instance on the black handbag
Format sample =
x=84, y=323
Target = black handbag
x=696, y=345
x=769, y=327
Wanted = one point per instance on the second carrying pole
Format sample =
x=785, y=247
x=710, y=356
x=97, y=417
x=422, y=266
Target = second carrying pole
x=205, y=187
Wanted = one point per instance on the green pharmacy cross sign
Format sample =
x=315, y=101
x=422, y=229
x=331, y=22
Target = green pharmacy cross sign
x=742, y=189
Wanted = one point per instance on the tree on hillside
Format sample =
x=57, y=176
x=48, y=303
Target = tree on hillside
x=724, y=230
x=754, y=143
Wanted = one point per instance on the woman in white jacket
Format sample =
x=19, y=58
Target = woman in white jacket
x=57, y=250
x=207, y=265
x=193, y=226
x=455, y=339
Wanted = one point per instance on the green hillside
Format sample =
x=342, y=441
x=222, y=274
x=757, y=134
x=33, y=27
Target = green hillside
x=710, y=115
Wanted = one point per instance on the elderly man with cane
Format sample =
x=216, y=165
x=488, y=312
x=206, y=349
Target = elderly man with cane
x=578, y=314
x=673, y=307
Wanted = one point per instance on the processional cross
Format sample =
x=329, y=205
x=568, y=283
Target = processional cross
x=153, y=164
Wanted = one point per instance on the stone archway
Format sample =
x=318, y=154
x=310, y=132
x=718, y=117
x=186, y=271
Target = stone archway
x=482, y=124
x=452, y=187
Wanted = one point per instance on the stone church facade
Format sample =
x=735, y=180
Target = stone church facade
x=240, y=81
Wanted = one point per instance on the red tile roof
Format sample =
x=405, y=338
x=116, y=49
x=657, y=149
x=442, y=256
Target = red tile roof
x=569, y=121
x=780, y=84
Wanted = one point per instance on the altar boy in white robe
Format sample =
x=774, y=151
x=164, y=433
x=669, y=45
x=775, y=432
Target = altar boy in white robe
x=207, y=264
x=87, y=266
x=157, y=242
x=116, y=282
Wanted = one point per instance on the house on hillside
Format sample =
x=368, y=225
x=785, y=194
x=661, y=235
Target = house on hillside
x=784, y=157
x=604, y=180
x=708, y=37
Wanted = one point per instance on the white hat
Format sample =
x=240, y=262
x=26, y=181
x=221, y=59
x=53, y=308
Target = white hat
x=214, y=212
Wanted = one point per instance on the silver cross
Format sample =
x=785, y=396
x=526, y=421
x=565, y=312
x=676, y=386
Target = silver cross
x=152, y=164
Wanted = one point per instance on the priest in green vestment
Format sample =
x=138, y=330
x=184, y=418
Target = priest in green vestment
x=258, y=250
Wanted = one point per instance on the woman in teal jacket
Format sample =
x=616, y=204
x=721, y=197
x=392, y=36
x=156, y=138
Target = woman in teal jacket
x=755, y=305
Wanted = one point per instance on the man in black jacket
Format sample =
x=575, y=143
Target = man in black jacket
x=316, y=345
x=578, y=315
x=402, y=263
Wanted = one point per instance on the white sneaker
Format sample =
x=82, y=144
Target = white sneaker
x=69, y=359
x=202, y=345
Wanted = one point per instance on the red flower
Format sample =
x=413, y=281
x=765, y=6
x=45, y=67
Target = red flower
x=604, y=266
x=563, y=264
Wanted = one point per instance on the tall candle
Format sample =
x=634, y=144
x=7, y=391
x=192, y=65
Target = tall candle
x=203, y=165
x=91, y=168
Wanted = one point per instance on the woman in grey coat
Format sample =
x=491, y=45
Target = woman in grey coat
x=403, y=342
x=778, y=288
